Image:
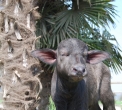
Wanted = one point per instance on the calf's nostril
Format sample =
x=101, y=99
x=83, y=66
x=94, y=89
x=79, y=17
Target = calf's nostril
x=75, y=69
x=83, y=70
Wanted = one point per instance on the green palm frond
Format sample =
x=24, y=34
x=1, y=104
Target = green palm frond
x=66, y=23
x=104, y=42
x=77, y=18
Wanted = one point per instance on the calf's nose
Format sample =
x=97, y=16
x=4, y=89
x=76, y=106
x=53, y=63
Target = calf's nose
x=80, y=70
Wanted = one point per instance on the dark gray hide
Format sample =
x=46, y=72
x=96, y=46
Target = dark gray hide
x=77, y=84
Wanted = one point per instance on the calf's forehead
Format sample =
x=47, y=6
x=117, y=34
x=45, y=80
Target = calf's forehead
x=72, y=45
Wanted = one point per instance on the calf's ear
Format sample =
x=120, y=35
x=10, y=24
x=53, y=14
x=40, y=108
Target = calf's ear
x=47, y=56
x=96, y=56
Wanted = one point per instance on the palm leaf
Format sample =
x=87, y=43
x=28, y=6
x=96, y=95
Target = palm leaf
x=78, y=18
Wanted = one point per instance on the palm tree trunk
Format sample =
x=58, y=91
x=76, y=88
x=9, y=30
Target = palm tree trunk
x=19, y=71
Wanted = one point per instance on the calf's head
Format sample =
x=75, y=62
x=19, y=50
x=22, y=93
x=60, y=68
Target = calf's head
x=71, y=57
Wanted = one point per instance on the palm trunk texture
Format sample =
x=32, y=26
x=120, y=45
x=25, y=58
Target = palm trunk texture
x=20, y=73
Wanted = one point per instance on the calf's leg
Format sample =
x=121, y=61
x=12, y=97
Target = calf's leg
x=95, y=107
x=106, y=94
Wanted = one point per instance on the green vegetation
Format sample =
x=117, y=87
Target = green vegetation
x=51, y=104
x=1, y=101
x=118, y=103
x=81, y=19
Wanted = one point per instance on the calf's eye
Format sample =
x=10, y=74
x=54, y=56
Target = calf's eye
x=64, y=54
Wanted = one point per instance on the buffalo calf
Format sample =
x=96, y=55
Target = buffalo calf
x=80, y=78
